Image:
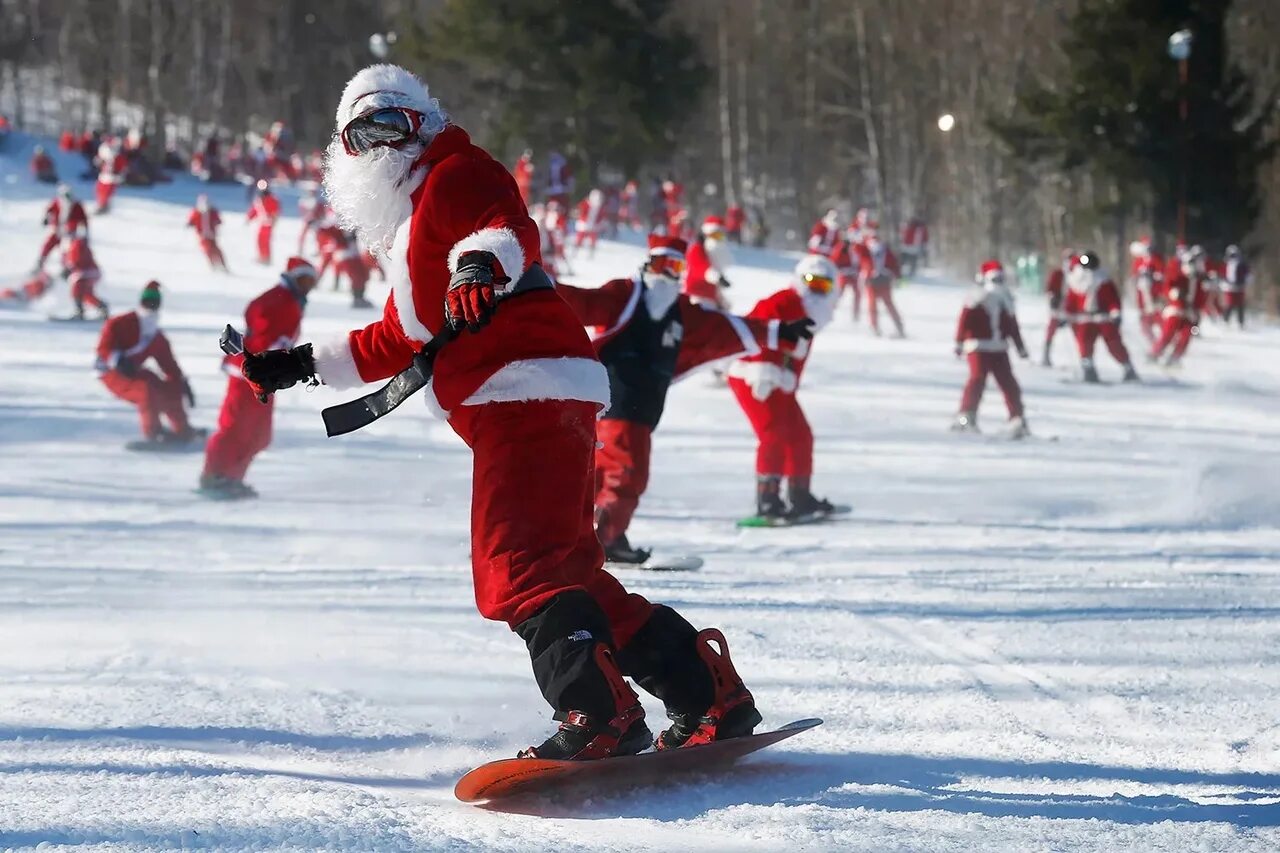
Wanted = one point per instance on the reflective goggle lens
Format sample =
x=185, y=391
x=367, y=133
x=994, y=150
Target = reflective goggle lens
x=662, y=265
x=819, y=283
x=389, y=127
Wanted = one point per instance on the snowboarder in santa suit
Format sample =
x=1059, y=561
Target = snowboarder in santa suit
x=825, y=233
x=708, y=261
x=879, y=267
x=265, y=210
x=128, y=341
x=1187, y=295
x=42, y=166
x=915, y=245
x=112, y=166
x=1236, y=276
x=64, y=216
x=1055, y=290
x=1146, y=271
x=206, y=220
x=648, y=336
x=273, y=321
x=988, y=323
x=521, y=385
x=765, y=384
x=1092, y=303
x=80, y=269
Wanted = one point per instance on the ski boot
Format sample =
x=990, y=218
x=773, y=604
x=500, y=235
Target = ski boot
x=1018, y=427
x=733, y=711
x=1130, y=375
x=769, y=502
x=1089, y=373
x=361, y=302
x=620, y=551
x=803, y=502
x=222, y=488
x=1046, y=360
x=965, y=422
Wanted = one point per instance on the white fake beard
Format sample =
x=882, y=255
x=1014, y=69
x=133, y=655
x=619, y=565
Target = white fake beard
x=820, y=307
x=660, y=293
x=370, y=193
x=148, y=321
x=719, y=253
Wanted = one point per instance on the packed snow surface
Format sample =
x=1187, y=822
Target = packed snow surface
x=1067, y=643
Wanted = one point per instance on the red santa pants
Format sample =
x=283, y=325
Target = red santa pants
x=104, y=191
x=1177, y=331
x=785, y=440
x=211, y=251
x=82, y=284
x=264, y=243
x=1087, y=335
x=622, y=474
x=244, y=431
x=1233, y=303
x=996, y=365
x=355, y=269
x=849, y=281
x=532, y=512
x=153, y=395
x=50, y=243
x=588, y=236
x=882, y=293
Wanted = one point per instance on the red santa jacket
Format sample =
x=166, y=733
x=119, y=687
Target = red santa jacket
x=779, y=366
x=1097, y=304
x=988, y=323
x=113, y=165
x=534, y=348
x=78, y=257
x=206, y=222
x=876, y=264
x=131, y=338
x=273, y=320
x=42, y=166
x=915, y=235
x=1187, y=296
x=701, y=276
x=823, y=238
x=1054, y=285
x=266, y=209
x=1236, y=276
x=76, y=218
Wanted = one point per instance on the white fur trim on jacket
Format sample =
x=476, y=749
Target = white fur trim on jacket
x=764, y=377
x=749, y=344
x=772, y=340
x=397, y=268
x=502, y=243
x=545, y=379
x=335, y=364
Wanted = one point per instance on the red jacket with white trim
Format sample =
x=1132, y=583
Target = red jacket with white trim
x=780, y=365
x=702, y=277
x=205, y=222
x=1187, y=297
x=823, y=238
x=266, y=209
x=76, y=217
x=988, y=323
x=125, y=338
x=273, y=320
x=1097, y=304
x=533, y=349
x=878, y=264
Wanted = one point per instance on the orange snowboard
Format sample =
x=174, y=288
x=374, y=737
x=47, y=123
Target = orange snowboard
x=510, y=776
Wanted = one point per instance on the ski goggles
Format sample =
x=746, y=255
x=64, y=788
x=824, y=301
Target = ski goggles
x=818, y=283
x=389, y=127
x=671, y=266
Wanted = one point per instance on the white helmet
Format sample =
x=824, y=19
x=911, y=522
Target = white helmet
x=817, y=266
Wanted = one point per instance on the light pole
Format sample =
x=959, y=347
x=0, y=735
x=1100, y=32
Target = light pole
x=1180, y=52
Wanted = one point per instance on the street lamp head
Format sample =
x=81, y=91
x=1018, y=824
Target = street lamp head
x=378, y=45
x=946, y=122
x=1180, y=45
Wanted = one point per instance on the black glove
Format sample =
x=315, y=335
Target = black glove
x=795, y=331
x=126, y=367
x=277, y=369
x=472, y=298
x=1022, y=353
x=188, y=393
x=723, y=282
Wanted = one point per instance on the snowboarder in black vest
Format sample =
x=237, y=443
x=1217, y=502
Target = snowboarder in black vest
x=648, y=334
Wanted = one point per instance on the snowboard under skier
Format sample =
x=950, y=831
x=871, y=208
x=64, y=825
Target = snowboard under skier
x=648, y=334
x=521, y=386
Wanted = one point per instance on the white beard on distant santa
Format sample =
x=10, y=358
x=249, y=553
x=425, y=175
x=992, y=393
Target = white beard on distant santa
x=820, y=307
x=148, y=321
x=719, y=253
x=370, y=193
x=660, y=293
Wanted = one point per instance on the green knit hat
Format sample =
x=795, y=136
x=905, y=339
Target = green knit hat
x=150, y=295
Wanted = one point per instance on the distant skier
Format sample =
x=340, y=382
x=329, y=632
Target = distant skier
x=273, y=321
x=206, y=220
x=765, y=385
x=64, y=216
x=313, y=211
x=1188, y=293
x=524, y=176
x=586, y=226
x=1235, y=281
x=42, y=166
x=988, y=323
x=915, y=245
x=708, y=260
x=879, y=269
x=127, y=343
x=32, y=289
x=1146, y=273
x=112, y=167
x=1092, y=303
x=648, y=334
x=1055, y=290
x=825, y=234
x=265, y=210
x=80, y=269
x=521, y=385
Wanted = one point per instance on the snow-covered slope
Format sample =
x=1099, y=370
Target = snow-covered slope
x=1052, y=645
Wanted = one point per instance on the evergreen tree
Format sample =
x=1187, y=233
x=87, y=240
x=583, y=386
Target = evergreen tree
x=605, y=81
x=1116, y=115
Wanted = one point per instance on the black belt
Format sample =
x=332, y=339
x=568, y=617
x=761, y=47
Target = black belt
x=359, y=413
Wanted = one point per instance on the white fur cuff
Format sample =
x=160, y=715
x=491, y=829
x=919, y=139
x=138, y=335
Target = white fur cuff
x=545, y=379
x=336, y=365
x=772, y=340
x=749, y=344
x=501, y=242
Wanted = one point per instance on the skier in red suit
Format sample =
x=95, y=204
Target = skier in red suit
x=586, y=227
x=1146, y=272
x=42, y=166
x=648, y=335
x=524, y=176
x=64, y=216
x=1092, y=303
x=825, y=233
x=112, y=165
x=82, y=274
x=847, y=257
x=313, y=211
x=521, y=385
x=206, y=220
x=988, y=323
x=265, y=210
x=709, y=258
x=128, y=341
x=31, y=290
x=915, y=245
x=1188, y=294
x=1236, y=276
x=876, y=274
x=348, y=260
x=273, y=320
x=1055, y=290
x=765, y=384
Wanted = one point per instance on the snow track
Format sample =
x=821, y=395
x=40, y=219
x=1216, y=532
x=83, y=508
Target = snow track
x=1045, y=645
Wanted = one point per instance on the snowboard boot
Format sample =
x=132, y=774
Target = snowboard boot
x=803, y=502
x=600, y=715
x=1130, y=375
x=965, y=422
x=361, y=302
x=1018, y=427
x=620, y=551
x=704, y=696
x=1089, y=373
x=769, y=497
x=217, y=487
x=1046, y=360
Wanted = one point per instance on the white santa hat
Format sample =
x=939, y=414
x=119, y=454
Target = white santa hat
x=817, y=266
x=381, y=86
